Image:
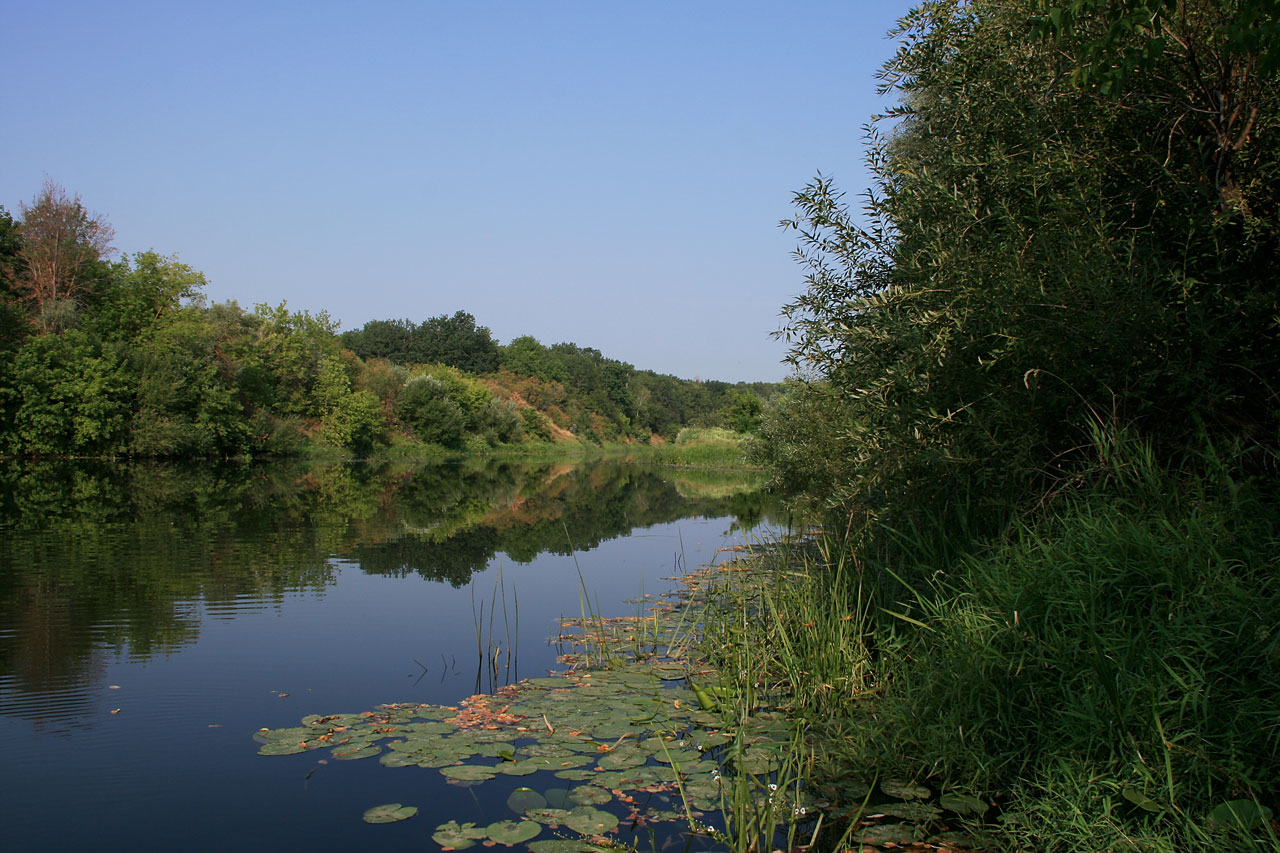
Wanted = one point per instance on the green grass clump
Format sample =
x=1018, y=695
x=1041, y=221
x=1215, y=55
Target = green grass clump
x=1108, y=671
x=712, y=447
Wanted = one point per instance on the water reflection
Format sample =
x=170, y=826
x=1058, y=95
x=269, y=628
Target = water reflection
x=123, y=561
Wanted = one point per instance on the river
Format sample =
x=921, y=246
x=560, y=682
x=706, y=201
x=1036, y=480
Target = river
x=153, y=617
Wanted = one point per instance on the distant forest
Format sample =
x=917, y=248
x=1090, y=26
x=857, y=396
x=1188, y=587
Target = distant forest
x=125, y=357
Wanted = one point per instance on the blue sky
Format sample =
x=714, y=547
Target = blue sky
x=606, y=173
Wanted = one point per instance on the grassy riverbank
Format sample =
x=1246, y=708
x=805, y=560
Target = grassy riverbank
x=693, y=447
x=1100, y=676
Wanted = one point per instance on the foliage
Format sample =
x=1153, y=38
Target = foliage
x=455, y=341
x=1014, y=366
x=185, y=406
x=141, y=296
x=1126, y=639
x=65, y=395
x=427, y=407
x=743, y=412
x=13, y=320
x=1035, y=256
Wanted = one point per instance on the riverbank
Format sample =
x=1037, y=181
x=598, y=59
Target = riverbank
x=1100, y=676
x=694, y=447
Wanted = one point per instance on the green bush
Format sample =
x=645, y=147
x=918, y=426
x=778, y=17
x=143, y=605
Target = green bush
x=66, y=395
x=427, y=407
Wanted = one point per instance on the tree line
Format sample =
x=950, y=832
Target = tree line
x=104, y=356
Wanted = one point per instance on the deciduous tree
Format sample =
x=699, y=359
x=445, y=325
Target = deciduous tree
x=63, y=246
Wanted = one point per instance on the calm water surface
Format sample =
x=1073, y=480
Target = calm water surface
x=152, y=618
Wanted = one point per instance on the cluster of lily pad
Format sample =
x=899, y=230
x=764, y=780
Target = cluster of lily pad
x=612, y=734
x=625, y=720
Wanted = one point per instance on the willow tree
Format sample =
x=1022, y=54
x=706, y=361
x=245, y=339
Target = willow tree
x=1040, y=252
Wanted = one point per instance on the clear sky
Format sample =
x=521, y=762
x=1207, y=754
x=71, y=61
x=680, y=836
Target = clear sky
x=600, y=172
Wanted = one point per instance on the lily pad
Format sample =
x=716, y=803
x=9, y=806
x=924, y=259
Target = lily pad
x=612, y=729
x=469, y=772
x=520, y=768
x=510, y=832
x=430, y=712
x=907, y=811
x=623, y=759
x=558, y=798
x=353, y=752
x=282, y=748
x=575, y=774
x=591, y=821
x=389, y=813
x=962, y=804
x=397, y=759
x=905, y=790
x=889, y=833
x=590, y=795
x=548, y=816
x=451, y=836
x=689, y=756
x=295, y=734
x=524, y=799
x=562, y=845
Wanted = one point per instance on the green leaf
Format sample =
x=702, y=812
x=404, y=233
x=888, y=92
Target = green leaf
x=468, y=772
x=549, y=816
x=557, y=797
x=282, y=748
x=962, y=804
x=889, y=833
x=591, y=821
x=1140, y=799
x=1245, y=814
x=590, y=795
x=906, y=811
x=511, y=832
x=562, y=845
x=456, y=837
x=354, y=752
x=904, y=790
x=389, y=813
x=524, y=799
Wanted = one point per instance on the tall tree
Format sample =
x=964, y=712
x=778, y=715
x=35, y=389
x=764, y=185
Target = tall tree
x=1039, y=254
x=63, y=246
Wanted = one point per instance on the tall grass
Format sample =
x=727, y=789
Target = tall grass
x=1107, y=671
x=784, y=632
x=712, y=447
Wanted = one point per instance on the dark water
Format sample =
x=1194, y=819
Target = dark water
x=152, y=618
